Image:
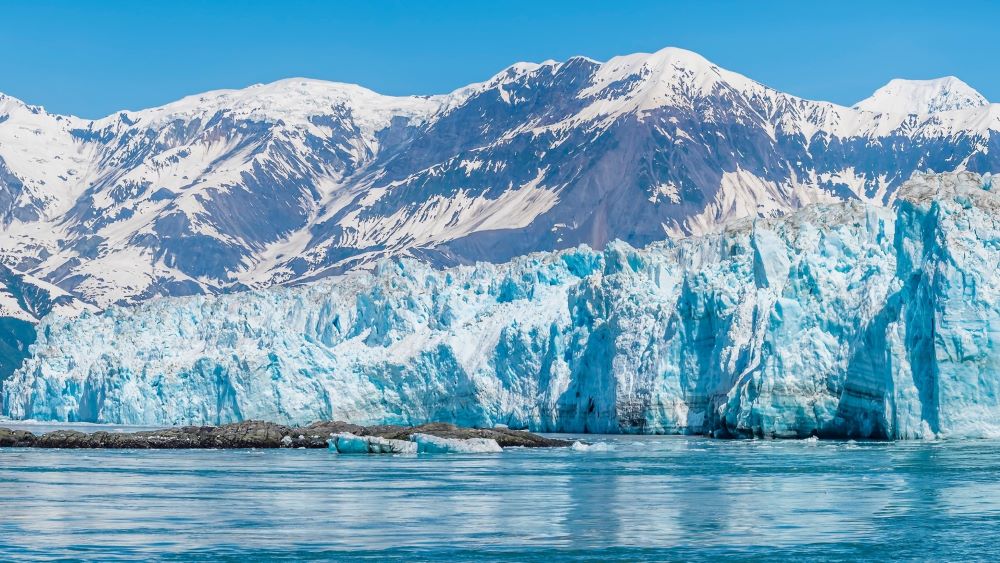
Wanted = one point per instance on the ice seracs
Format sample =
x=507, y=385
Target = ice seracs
x=842, y=319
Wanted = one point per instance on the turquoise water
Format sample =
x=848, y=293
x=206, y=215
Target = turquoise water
x=636, y=498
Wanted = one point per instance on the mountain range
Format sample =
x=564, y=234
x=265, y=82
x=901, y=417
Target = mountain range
x=301, y=179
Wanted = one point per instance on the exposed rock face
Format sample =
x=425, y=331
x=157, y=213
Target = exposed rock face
x=256, y=434
x=16, y=438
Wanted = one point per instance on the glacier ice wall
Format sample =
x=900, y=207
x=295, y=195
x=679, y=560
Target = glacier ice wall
x=838, y=320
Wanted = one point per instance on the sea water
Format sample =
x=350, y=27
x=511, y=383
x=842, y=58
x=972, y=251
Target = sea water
x=625, y=497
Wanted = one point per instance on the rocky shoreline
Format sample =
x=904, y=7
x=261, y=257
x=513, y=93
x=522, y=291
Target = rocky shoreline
x=258, y=434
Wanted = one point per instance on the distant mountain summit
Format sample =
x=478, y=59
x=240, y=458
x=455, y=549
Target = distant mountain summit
x=300, y=179
x=919, y=97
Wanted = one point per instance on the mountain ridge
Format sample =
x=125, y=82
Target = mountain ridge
x=692, y=58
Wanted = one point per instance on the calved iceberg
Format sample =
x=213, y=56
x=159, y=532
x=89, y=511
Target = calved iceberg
x=347, y=443
x=428, y=444
x=838, y=320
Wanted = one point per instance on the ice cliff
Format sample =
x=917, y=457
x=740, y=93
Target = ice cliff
x=839, y=320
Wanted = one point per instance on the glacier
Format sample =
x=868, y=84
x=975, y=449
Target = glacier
x=842, y=319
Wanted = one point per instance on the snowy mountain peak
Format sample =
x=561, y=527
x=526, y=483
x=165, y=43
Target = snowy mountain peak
x=283, y=99
x=513, y=73
x=518, y=69
x=681, y=57
x=921, y=97
x=10, y=104
x=666, y=63
x=669, y=77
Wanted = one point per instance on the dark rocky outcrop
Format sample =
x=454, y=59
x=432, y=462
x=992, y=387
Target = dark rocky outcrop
x=16, y=438
x=258, y=434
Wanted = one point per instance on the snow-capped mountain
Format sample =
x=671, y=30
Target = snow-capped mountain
x=299, y=179
x=919, y=97
x=846, y=319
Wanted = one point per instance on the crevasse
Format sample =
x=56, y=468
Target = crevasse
x=838, y=320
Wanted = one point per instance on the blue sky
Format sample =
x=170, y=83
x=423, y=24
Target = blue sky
x=93, y=58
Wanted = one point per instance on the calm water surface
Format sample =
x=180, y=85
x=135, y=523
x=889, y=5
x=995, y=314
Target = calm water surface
x=630, y=498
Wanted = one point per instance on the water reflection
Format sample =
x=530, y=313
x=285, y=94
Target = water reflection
x=592, y=515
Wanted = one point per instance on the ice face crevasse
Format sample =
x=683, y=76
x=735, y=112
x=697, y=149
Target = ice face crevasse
x=838, y=320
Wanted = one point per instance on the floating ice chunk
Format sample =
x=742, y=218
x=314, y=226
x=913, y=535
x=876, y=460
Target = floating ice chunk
x=427, y=444
x=595, y=447
x=348, y=443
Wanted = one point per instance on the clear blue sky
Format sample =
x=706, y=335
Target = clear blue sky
x=92, y=58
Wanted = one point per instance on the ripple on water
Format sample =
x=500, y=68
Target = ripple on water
x=630, y=497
